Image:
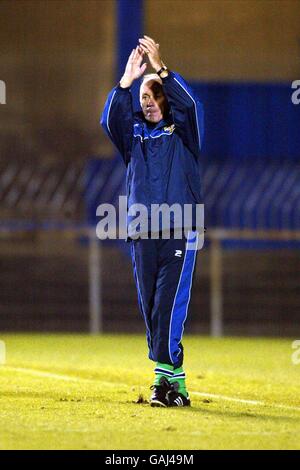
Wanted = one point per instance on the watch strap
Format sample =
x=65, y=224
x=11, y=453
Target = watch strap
x=161, y=70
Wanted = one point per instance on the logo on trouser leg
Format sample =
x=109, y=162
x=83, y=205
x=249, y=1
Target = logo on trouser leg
x=178, y=253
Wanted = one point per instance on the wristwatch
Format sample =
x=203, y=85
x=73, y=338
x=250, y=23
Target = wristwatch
x=163, y=72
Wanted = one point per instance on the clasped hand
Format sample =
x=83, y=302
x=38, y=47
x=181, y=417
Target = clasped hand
x=134, y=68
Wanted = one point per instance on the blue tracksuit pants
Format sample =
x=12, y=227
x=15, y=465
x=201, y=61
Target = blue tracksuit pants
x=163, y=271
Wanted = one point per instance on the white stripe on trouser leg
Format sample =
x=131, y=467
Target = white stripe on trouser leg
x=183, y=290
x=191, y=281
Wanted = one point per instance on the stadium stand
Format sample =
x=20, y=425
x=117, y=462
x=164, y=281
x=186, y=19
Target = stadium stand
x=41, y=191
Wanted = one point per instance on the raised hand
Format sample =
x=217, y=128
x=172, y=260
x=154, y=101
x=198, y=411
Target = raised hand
x=151, y=48
x=134, y=67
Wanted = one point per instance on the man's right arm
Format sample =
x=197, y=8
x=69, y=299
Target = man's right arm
x=117, y=116
x=117, y=120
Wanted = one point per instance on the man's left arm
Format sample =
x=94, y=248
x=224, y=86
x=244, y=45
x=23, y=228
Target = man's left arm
x=187, y=111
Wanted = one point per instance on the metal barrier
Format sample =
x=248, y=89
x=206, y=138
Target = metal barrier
x=95, y=246
x=217, y=236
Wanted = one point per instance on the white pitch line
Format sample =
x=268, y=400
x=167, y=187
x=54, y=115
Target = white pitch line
x=246, y=402
x=40, y=373
x=70, y=378
x=240, y=433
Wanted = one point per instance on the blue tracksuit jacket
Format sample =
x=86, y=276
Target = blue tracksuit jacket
x=163, y=162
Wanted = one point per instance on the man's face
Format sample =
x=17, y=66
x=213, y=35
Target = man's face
x=153, y=101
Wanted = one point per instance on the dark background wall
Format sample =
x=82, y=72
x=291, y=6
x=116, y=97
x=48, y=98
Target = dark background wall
x=229, y=40
x=58, y=59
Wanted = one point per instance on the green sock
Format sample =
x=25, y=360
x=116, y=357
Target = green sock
x=179, y=376
x=163, y=370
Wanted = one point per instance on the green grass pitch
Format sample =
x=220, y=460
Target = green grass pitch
x=82, y=392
